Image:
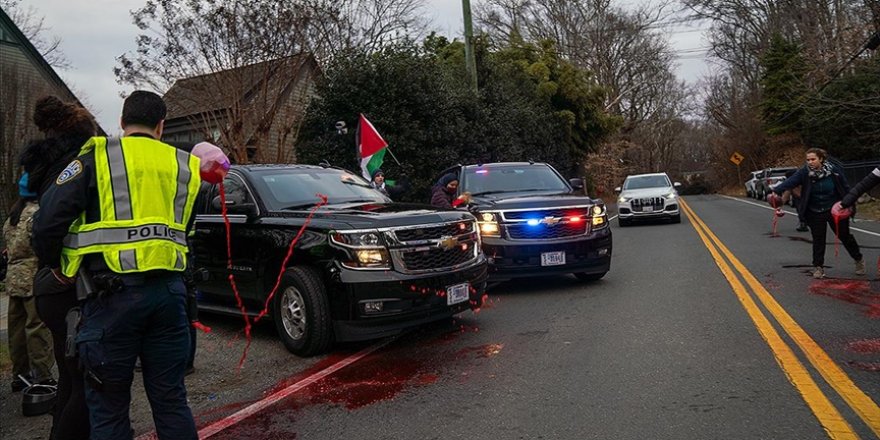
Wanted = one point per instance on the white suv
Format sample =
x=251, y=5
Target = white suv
x=647, y=197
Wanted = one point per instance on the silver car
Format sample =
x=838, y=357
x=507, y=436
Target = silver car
x=648, y=197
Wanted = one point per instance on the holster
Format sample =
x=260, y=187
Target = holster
x=72, y=320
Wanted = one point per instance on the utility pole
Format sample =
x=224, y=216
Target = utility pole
x=470, y=59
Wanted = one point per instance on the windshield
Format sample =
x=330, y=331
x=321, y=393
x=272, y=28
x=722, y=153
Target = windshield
x=297, y=188
x=642, y=182
x=512, y=179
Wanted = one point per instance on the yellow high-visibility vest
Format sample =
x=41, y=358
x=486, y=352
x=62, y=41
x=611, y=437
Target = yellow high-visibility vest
x=146, y=191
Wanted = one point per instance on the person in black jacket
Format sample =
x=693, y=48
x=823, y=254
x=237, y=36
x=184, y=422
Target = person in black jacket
x=67, y=127
x=822, y=185
x=864, y=185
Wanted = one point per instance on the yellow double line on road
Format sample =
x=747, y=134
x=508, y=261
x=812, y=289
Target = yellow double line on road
x=834, y=423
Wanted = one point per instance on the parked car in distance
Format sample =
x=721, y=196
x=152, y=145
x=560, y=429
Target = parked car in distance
x=647, y=197
x=363, y=268
x=770, y=178
x=750, y=184
x=533, y=222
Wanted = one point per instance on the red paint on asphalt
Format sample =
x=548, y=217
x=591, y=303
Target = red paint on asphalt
x=852, y=291
x=375, y=378
x=255, y=408
x=866, y=366
x=864, y=346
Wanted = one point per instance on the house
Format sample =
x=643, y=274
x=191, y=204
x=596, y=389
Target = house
x=25, y=76
x=254, y=112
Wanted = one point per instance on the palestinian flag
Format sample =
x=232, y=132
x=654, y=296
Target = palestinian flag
x=371, y=148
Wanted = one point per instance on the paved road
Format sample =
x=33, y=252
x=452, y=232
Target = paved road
x=675, y=343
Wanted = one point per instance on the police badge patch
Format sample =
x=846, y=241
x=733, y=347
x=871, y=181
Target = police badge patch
x=73, y=169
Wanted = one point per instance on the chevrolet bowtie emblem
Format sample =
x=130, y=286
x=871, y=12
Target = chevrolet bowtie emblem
x=446, y=243
x=550, y=221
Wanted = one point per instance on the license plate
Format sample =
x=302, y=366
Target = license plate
x=552, y=258
x=647, y=208
x=457, y=293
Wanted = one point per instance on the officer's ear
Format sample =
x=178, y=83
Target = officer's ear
x=159, y=129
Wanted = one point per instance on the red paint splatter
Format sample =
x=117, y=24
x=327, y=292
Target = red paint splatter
x=323, y=201
x=865, y=366
x=198, y=325
x=238, y=302
x=836, y=235
x=864, y=346
x=851, y=291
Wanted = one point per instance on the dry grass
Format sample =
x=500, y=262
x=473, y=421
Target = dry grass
x=869, y=211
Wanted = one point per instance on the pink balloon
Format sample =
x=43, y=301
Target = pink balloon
x=214, y=164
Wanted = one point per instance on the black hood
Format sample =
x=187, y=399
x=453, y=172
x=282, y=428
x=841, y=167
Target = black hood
x=371, y=215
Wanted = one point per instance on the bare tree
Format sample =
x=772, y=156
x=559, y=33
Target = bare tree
x=34, y=28
x=242, y=59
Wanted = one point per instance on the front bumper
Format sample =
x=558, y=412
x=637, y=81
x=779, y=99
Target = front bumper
x=408, y=300
x=510, y=259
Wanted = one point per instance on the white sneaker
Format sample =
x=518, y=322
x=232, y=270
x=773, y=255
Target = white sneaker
x=818, y=272
x=860, y=267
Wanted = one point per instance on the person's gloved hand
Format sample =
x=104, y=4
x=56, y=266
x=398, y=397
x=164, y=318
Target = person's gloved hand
x=774, y=200
x=214, y=163
x=839, y=212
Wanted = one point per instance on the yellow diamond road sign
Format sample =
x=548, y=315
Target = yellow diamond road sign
x=736, y=158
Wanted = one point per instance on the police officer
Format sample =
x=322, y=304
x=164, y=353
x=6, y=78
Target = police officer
x=119, y=212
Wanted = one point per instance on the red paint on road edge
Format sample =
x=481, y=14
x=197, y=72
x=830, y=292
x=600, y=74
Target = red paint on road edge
x=273, y=398
x=231, y=420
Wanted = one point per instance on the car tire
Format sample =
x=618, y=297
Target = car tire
x=301, y=312
x=676, y=218
x=581, y=276
x=622, y=223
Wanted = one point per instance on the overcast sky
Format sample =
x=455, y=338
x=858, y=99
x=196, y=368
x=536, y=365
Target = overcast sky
x=95, y=32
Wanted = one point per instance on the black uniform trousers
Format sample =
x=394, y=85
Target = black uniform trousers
x=818, y=223
x=70, y=418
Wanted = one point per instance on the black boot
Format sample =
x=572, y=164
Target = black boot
x=802, y=227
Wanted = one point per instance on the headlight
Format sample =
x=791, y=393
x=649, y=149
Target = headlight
x=623, y=199
x=671, y=195
x=489, y=224
x=357, y=239
x=365, y=249
x=372, y=258
x=599, y=217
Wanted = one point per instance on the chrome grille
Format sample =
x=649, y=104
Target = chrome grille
x=434, y=247
x=522, y=231
x=437, y=258
x=434, y=232
x=653, y=203
x=542, y=213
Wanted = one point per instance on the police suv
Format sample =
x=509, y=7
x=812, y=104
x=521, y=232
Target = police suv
x=362, y=268
x=534, y=222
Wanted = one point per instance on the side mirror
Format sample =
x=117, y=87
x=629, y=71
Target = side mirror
x=576, y=183
x=617, y=190
x=676, y=185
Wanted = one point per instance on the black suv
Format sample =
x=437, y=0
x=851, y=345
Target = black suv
x=363, y=268
x=533, y=222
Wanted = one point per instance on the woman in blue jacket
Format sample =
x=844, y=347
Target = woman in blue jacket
x=822, y=185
